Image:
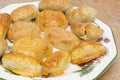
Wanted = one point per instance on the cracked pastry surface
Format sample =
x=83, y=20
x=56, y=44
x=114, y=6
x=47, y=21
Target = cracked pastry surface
x=87, y=51
x=21, y=29
x=35, y=47
x=81, y=14
x=21, y=64
x=24, y=13
x=49, y=18
x=87, y=31
x=56, y=63
x=61, y=38
x=61, y=5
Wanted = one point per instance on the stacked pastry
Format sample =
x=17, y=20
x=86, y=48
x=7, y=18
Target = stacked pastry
x=34, y=34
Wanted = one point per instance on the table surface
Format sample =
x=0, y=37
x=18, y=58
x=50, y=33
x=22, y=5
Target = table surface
x=109, y=12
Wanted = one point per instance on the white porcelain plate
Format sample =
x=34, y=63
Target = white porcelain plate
x=73, y=72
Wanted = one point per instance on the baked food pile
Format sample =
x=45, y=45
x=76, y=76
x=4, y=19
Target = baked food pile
x=45, y=46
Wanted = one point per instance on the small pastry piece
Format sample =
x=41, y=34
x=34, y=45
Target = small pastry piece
x=78, y=29
x=24, y=13
x=86, y=52
x=87, y=31
x=5, y=21
x=21, y=64
x=3, y=46
x=62, y=5
x=81, y=14
x=93, y=32
x=56, y=63
x=35, y=47
x=49, y=18
x=21, y=29
x=61, y=38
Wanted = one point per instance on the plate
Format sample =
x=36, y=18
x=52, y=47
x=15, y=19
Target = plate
x=93, y=71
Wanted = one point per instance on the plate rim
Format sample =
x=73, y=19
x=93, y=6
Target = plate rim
x=106, y=68
x=14, y=3
x=113, y=60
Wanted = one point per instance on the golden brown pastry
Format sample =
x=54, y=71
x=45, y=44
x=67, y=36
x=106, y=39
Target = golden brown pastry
x=21, y=29
x=93, y=32
x=5, y=21
x=61, y=38
x=21, y=64
x=87, y=31
x=56, y=63
x=62, y=5
x=35, y=47
x=81, y=14
x=24, y=13
x=86, y=52
x=49, y=18
x=3, y=46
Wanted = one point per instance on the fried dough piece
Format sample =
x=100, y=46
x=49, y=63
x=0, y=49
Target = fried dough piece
x=62, y=5
x=24, y=13
x=5, y=21
x=61, y=38
x=81, y=14
x=21, y=29
x=56, y=63
x=87, y=31
x=35, y=47
x=3, y=46
x=93, y=32
x=86, y=52
x=21, y=64
x=49, y=18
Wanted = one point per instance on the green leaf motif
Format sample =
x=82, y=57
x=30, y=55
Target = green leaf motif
x=86, y=71
x=2, y=78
